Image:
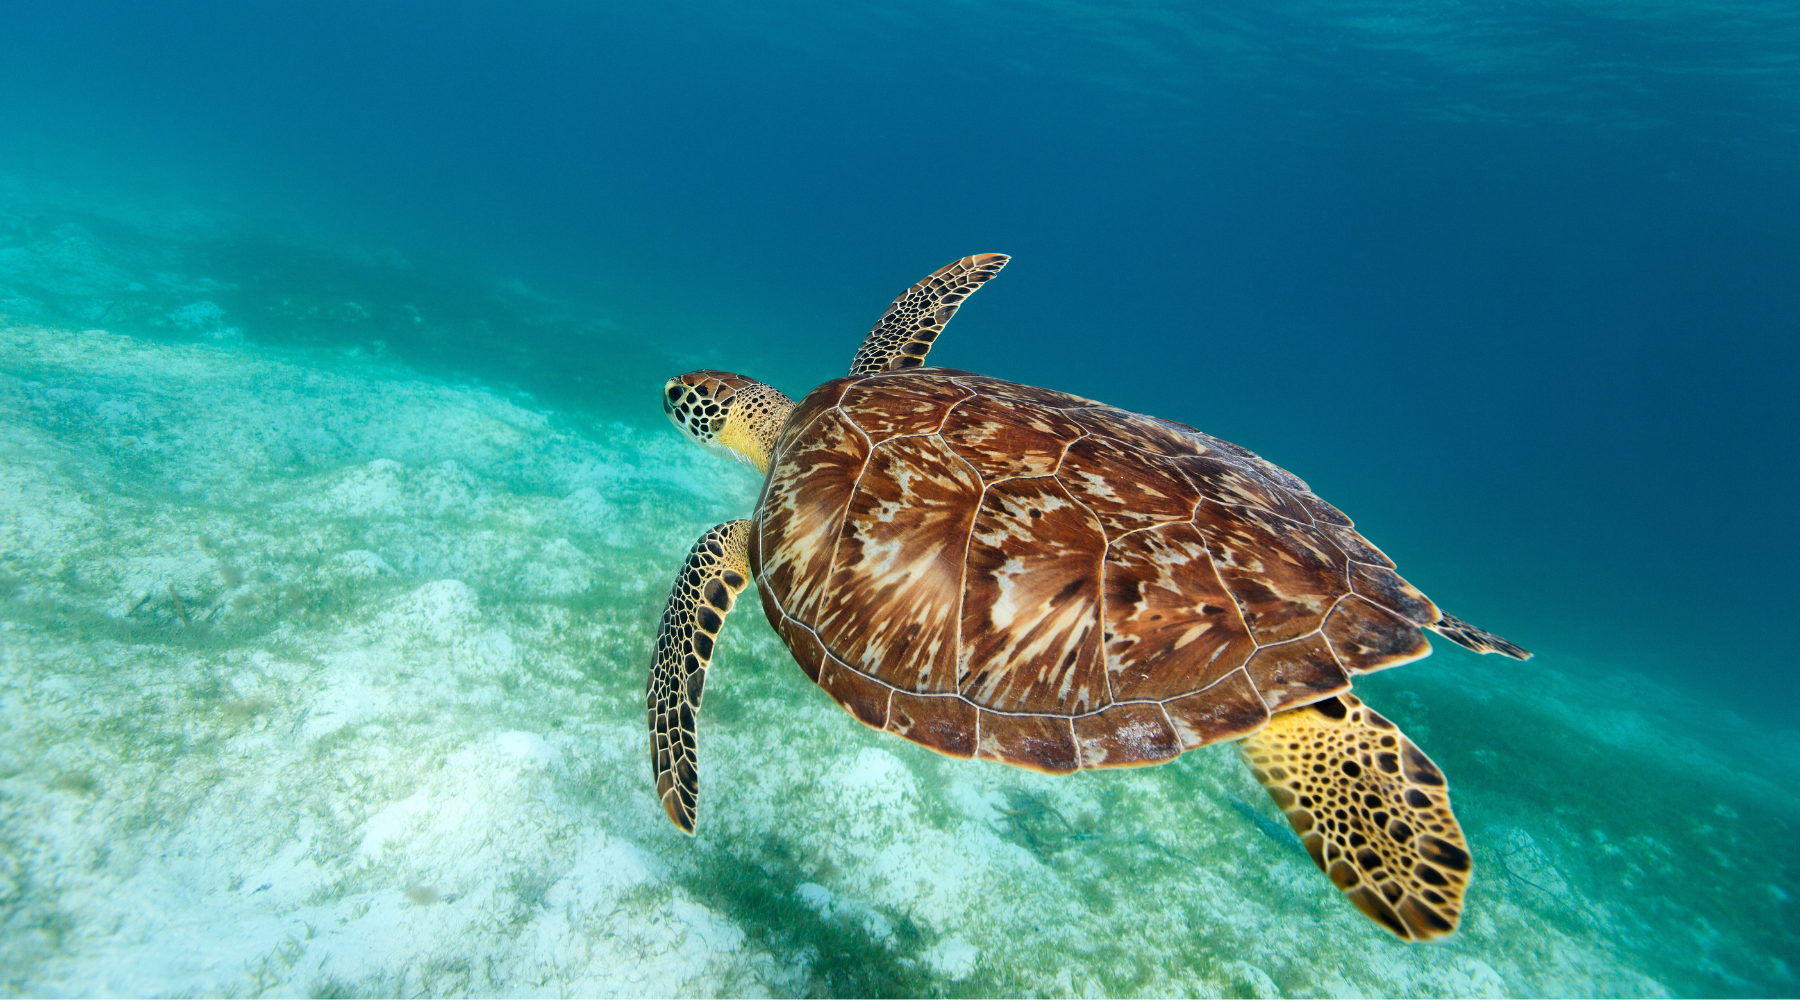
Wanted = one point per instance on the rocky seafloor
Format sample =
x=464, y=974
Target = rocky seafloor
x=321, y=672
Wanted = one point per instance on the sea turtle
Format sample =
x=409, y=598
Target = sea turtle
x=999, y=571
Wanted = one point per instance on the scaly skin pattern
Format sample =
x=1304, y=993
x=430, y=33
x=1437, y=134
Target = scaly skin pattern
x=999, y=571
x=715, y=573
x=727, y=414
x=1372, y=810
x=904, y=334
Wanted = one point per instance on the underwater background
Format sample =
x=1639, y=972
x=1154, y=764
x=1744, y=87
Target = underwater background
x=337, y=511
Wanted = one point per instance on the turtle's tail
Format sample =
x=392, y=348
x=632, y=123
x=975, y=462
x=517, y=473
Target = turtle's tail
x=1470, y=637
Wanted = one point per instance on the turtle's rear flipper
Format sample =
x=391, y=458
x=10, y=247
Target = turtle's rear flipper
x=1398, y=853
x=716, y=571
x=1470, y=637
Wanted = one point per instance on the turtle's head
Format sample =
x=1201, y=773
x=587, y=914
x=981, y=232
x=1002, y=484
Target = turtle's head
x=727, y=414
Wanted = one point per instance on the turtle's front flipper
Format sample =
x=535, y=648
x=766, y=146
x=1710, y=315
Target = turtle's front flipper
x=904, y=334
x=1372, y=810
x=717, y=570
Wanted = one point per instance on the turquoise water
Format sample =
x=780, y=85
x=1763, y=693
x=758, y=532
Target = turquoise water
x=337, y=511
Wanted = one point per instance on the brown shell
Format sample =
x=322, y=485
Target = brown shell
x=1001, y=571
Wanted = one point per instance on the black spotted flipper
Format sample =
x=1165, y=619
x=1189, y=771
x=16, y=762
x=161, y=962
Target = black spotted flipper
x=1470, y=637
x=1371, y=809
x=904, y=334
x=717, y=570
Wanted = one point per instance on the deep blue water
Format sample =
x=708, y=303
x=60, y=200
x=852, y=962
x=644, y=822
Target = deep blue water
x=1516, y=286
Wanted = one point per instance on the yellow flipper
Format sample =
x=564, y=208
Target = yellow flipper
x=1372, y=810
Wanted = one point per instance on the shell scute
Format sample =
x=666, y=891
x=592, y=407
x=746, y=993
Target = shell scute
x=1251, y=460
x=1324, y=513
x=1354, y=545
x=1153, y=434
x=1284, y=576
x=1002, y=389
x=1036, y=742
x=810, y=486
x=1171, y=627
x=1257, y=481
x=899, y=552
x=1297, y=673
x=1227, y=710
x=1031, y=606
x=943, y=723
x=1383, y=586
x=1368, y=637
x=1128, y=489
x=861, y=696
x=1007, y=439
x=1224, y=481
x=883, y=413
x=800, y=421
x=1126, y=735
x=800, y=640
